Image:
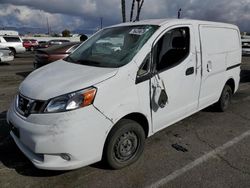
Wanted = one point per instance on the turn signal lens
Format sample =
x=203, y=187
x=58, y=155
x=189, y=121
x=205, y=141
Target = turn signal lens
x=88, y=97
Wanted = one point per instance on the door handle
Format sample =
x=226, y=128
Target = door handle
x=209, y=66
x=190, y=71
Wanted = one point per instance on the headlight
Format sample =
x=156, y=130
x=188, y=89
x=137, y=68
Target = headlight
x=71, y=101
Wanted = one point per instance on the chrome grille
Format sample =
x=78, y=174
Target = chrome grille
x=26, y=106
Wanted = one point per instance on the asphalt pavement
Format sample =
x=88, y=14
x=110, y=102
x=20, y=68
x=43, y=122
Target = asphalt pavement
x=207, y=149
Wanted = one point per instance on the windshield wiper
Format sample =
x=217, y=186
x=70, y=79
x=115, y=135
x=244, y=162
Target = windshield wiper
x=69, y=59
x=87, y=62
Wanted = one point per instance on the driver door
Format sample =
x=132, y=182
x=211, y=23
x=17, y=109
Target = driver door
x=176, y=81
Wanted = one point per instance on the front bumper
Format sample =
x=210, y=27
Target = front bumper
x=6, y=58
x=20, y=49
x=80, y=134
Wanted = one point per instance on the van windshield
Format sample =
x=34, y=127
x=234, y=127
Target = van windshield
x=112, y=47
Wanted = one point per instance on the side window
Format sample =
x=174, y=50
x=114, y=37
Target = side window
x=172, y=48
x=145, y=66
x=143, y=73
x=12, y=39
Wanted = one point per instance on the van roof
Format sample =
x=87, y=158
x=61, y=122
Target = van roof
x=161, y=22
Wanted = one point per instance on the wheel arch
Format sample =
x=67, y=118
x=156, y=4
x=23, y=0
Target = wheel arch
x=230, y=82
x=137, y=117
x=13, y=50
x=140, y=119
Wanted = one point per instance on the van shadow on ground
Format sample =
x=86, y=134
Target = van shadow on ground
x=11, y=157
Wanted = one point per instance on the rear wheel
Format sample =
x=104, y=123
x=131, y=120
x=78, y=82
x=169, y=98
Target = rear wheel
x=124, y=144
x=225, y=98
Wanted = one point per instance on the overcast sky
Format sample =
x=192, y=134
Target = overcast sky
x=85, y=14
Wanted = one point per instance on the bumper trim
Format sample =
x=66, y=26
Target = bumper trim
x=35, y=158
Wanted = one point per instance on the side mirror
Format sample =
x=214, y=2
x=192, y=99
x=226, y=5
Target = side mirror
x=160, y=97
x=163, y=99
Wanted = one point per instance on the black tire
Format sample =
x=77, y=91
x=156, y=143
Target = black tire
x=13, y=51
x=225, y=99
x=124, y=145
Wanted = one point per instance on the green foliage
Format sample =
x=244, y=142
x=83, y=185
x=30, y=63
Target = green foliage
x=55, y=35
x=66, y=33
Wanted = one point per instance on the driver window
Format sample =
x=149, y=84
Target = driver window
x=145, y=66
x=172, y=48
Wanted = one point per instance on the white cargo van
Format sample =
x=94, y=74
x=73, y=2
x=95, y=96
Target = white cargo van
x=121, y=86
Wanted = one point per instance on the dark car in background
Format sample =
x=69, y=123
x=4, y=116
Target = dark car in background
x=53, y=53
x=245, y=46
x=57, y=41
x=44, y=44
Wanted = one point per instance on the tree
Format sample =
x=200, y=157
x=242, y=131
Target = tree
x=139, y=6
x=132, y=10
x=66, y=33
x=83, y=37
x=123, y=4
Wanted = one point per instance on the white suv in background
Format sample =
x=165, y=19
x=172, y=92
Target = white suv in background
x=14, y=43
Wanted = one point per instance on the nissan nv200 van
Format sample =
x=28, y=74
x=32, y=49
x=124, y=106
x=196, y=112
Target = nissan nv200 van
x=121, y=86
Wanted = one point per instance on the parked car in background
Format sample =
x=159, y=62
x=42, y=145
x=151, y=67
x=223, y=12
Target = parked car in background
x=245, y=46
x=57, y=42
x=53, y=42
x=12, y=42
x=53, y=53
x=43, y=44
x=6, y=55
x=30, y=44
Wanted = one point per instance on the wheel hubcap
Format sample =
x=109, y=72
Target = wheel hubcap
x=126, y=146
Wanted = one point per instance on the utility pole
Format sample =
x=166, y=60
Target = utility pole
x=101, y=20
x=123, y=5
x=179, y=13
x=139, y=6
x=48, y=25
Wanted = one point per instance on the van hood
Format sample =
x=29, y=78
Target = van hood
x=61, y=77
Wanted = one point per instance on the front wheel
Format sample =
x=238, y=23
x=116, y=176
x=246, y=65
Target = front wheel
x=124, y=144
x=225, y=98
